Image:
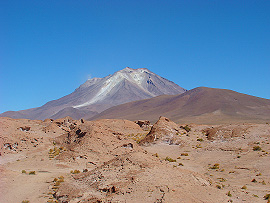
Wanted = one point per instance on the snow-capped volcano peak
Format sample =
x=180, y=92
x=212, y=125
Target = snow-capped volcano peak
x=140, y=83
x=98, y=94
x=132, y=75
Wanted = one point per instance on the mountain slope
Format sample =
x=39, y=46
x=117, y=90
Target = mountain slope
x=199, y=105
x=98, y=94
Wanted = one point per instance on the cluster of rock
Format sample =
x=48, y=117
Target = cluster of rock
x=144, y=124
x=164, y=130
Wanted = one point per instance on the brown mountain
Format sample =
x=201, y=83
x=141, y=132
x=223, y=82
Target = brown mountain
x=98, y=94
x=200, y=105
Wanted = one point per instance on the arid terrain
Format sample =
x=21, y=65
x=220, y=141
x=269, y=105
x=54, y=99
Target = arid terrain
x=201, y=105
x=98, y=94
x=115, y=160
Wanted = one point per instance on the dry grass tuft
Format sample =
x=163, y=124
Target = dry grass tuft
x=215, y=166
x=170, y=159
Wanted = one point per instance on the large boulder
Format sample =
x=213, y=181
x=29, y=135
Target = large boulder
x=164, y=130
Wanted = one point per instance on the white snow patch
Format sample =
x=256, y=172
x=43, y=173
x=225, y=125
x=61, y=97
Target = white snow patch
x=135, y=76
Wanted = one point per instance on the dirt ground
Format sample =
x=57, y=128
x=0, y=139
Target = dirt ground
x=101, y=161
x=240, y=170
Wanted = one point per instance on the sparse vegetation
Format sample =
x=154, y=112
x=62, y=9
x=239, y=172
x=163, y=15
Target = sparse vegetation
x=229, y=194
x=55, y=152
x=254, y=180
x=52, y=201
x=93, y=153
x=244, y=187
x=25, y=201
x=156, y=155
x=257, y=148
x=186, y=128
x=32, y=172
x=222, y=179
x=75, y=171
x=215, y=166
x=170, y=159
x=218, y=186
x=267, y=197
x=55, y=187
x=138, y=137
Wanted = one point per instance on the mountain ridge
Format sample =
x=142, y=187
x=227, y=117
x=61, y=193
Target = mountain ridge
x=98, y=94
x=199, y=105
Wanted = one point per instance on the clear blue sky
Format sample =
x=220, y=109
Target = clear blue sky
x=48, y=48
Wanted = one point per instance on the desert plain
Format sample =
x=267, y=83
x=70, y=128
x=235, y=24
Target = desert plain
x=117, y=160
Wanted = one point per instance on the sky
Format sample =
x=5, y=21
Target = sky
x=49, y=48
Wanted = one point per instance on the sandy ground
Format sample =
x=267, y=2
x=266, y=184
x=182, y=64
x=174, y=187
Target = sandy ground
x=238, y=163
x=119, y=170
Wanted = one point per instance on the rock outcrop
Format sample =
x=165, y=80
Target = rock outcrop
x=144, y=124
x=164, y=130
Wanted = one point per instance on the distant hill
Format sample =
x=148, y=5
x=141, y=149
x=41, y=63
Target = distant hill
x=98, y=94
x=200, y=105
